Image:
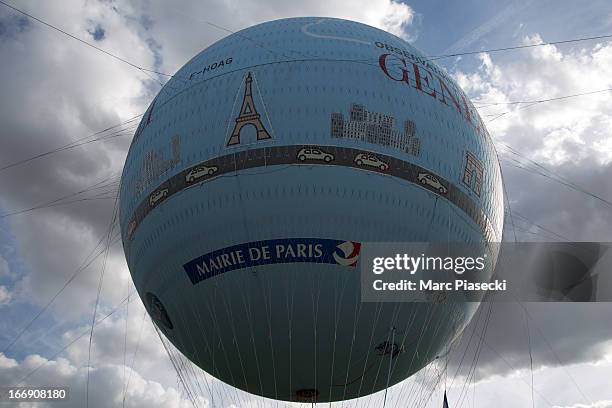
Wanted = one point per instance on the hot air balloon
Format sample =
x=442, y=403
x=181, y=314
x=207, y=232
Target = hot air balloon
x=257, y=173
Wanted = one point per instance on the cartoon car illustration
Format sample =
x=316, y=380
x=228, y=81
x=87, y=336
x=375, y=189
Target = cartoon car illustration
x=200, y=171
x=314, y=153
x=368, y=159
x=431, y=180
x=157, y=196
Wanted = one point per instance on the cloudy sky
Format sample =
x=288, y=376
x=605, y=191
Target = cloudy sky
x=55, y=211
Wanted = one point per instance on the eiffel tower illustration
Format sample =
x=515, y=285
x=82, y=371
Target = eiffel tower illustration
x=248, y=116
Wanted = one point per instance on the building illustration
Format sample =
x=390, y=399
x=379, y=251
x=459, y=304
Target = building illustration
x=376, y=128
x=472, y=174
x=155, y=164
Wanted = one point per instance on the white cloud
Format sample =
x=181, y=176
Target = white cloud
x=583, y=385
x=392, y=16
x=5, y=296
x=107, y=384
x=70, y=90
x=570, y=137
x=597, y=404
x=557, y=132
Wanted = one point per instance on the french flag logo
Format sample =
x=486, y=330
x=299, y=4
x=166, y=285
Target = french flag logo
x=347, y=253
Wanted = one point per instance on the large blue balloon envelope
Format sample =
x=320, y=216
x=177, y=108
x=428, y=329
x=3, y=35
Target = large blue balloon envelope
x=257, y=173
